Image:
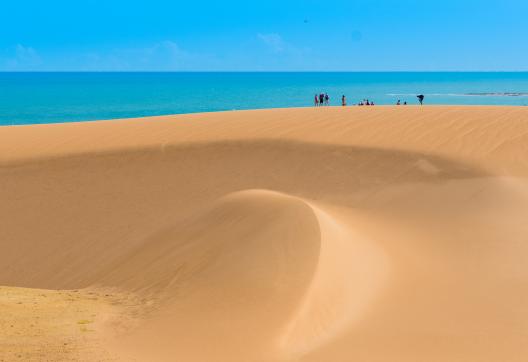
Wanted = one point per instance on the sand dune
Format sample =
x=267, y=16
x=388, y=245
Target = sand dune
x=282, y=235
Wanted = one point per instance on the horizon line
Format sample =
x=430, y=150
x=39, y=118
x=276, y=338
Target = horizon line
x=264, y=71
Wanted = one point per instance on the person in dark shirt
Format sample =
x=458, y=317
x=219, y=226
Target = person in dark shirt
x=421, y=98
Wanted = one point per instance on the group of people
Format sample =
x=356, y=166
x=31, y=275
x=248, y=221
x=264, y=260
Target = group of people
x=421, y=98
x=324, y=100
x=366, y=102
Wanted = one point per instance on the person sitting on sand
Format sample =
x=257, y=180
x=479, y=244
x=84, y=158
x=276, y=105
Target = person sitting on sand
x=368, y=103
x=371, y=103
x=343, y=101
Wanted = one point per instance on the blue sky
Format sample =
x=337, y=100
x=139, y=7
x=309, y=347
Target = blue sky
x=286, y=35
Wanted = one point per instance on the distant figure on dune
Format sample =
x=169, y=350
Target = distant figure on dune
x=343, y=101
x=421, y=98
x=316, y=101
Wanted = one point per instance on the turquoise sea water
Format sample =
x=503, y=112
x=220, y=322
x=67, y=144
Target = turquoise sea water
x=27, y=98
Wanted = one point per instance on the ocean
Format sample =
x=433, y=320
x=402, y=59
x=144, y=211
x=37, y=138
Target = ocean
x=30, y=98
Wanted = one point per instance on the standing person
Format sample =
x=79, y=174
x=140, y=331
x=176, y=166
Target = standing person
x=327, y=99
x=343, y=101
x=321, y=99
x=421, y=98
x=316, y=101
x=398, y=103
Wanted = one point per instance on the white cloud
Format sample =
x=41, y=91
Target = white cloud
x=274, y=42
x=166, y=53
x=281, y=54
x=22, y=58
x=164, y=56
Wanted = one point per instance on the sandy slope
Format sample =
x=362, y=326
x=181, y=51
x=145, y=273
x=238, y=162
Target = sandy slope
x=367, y=234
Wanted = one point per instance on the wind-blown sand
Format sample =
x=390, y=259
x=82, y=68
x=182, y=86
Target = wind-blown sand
x=331, y=234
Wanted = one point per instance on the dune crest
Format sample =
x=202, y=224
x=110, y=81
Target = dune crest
x=350, y=273
x=296, y=262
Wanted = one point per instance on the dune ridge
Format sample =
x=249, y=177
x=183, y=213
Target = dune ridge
x=280, y=235
x=350, y=273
